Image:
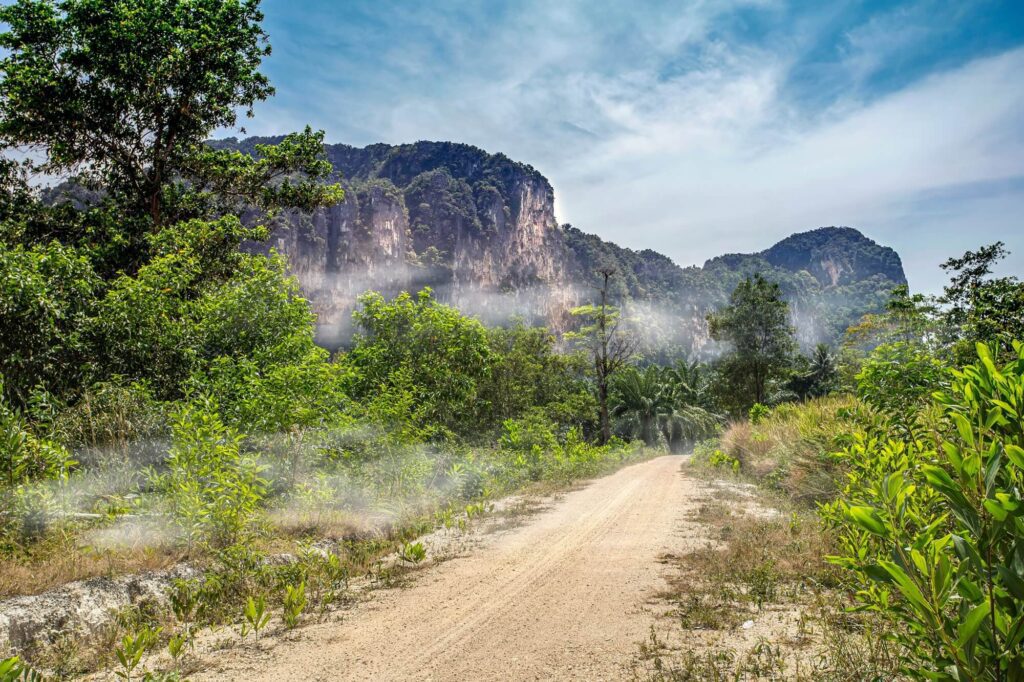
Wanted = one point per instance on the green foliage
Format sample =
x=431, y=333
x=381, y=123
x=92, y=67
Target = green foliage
x=527, y=370
x=443, y=355
x=255, y=616
x=897, y=379
x=815, y=376
x=981, y=308
x=293, y=605
x=758, y=413
x=717, y=458
x=932, y=527
x=413, y=553
x=610, y=346
x=531, y=450
x=214, y=490
x=530, y=440
x=660, y=403
x=791, y=448
x=132, y=648
x=755, y=325
x=112, y=418
x=13, y=670
x=24, y=456
x=201, y=302
x=47, y=296
x=127, y=93
x=908, y=319
x=639, y=399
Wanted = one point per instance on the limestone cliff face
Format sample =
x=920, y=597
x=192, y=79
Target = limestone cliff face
x=480, y=230
x=340, y=252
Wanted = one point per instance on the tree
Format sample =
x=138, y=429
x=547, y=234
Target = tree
x=639, y=399
x=132, y=266
x=982, y=309
x=897, y=379
x=123, y=94
x=755, y=324
x=911, y=319
x=816, y=375
x=417, y=344
x=659, y=402
x=610, y=346
x=47, y=296
x=527, y=370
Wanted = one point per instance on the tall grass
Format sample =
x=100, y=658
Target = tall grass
x=793, y=448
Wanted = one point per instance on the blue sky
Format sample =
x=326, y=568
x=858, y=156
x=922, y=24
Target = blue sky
x=693, y=128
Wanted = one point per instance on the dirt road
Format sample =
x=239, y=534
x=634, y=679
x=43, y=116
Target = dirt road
x=564, y=596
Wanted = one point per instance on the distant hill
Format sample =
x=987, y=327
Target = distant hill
x=480, y=229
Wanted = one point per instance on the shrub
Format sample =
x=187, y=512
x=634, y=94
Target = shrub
x=442, y=354
x=47, y=294
x=758, y=413
x=214, y=490
x=933, y=528
x=793, y=447
x=897, y=379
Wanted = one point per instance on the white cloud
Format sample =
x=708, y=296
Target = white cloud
x=659, y=132
x=691, y=203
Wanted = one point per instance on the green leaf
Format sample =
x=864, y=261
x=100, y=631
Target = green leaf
x=1012, y=581
x=1016, y=454
x=970, y=625
x=868, y=519
x=963, y=427
x=995, y=509
x=908, y=588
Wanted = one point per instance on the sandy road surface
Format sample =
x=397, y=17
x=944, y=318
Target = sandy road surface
x=562, y=597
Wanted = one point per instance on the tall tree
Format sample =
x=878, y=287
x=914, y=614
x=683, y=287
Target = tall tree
x=611, y=346
x=982, y=308
x=123, y=94
x=755, y=324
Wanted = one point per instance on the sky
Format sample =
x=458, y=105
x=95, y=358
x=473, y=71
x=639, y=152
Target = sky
x=693, y=128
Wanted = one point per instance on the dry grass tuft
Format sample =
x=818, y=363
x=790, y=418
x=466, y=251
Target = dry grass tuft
x=793, y=448
x=61, y=559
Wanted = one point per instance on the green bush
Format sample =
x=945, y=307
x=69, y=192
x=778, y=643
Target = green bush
x=214, y=490
x=898, y=379
x=186, y=310
x=440, y=354
x=932, y=528
x=758, y=413
x=47, y=295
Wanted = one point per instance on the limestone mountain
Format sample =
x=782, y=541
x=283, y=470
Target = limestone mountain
x=480, y=229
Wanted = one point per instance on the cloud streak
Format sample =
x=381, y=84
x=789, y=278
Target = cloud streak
x=721, y=127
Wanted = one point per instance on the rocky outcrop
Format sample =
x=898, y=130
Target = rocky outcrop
x=80, y=610
x=478, y=228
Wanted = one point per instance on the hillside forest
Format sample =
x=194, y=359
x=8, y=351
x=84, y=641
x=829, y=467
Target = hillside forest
x=164, y=400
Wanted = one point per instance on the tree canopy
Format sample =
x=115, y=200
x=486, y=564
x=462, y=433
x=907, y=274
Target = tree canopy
x=755, y=325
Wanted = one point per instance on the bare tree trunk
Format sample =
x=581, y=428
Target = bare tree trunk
x=602, y=362
x=602, y=399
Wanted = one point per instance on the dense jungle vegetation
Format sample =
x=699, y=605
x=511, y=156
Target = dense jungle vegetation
x=163, y=399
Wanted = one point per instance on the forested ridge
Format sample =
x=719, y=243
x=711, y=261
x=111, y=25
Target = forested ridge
x=166, y=409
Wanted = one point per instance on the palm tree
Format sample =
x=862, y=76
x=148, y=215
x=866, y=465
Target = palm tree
x=822, y=371
x=640, y=402
x=656, y=402
x=687, y=390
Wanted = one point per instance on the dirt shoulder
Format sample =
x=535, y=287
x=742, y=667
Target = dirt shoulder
x=567, y=595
